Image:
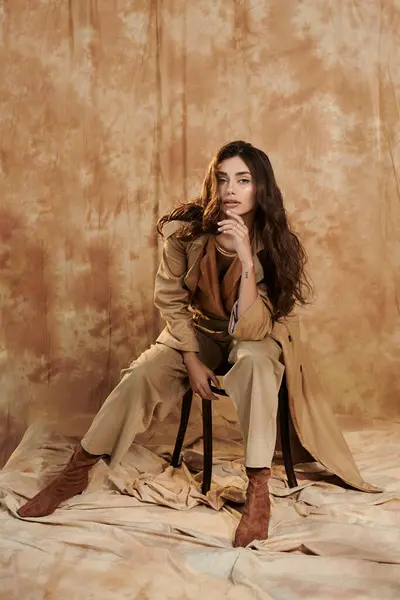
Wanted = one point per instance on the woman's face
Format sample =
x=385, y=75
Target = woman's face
x=236, y=188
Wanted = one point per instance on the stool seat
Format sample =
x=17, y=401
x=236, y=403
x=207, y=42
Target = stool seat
x=284, y=419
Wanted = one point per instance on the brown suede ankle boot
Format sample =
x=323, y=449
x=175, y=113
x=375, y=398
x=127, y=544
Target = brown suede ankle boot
x=257, y=510
x=72, y=480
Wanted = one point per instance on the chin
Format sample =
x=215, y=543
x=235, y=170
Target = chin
x=238, y=210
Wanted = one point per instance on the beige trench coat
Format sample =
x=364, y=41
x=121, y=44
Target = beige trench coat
x=313, y=420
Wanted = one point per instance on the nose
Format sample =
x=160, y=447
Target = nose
x=230, y=189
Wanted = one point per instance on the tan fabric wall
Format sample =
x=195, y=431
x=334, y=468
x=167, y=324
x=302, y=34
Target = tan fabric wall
x=110, y=111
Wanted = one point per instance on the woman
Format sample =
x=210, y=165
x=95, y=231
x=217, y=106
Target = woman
x=230, y=275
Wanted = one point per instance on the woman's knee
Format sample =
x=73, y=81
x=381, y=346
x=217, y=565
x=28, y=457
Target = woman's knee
x=265, y=353
x=153, y=363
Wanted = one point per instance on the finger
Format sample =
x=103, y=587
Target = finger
x=233, y=215
x=232, y=222
x=236, y=231
x=211, y=395
x=202, y=393
x=229, y=227
x=206, y=393
x=214, y=379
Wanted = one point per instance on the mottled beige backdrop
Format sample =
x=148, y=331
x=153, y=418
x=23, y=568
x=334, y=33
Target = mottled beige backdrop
x=110, y=111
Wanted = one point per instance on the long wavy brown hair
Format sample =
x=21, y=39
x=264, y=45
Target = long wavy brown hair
x=283, y=258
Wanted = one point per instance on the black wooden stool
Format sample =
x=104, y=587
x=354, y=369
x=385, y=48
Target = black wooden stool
x=284, y=417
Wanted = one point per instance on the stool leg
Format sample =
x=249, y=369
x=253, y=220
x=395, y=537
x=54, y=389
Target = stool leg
x=285, y=436
x=185, y=412
x=207, y=445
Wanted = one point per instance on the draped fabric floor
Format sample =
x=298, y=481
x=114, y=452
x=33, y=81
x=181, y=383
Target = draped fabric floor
x=110, y=113
x=146, y=531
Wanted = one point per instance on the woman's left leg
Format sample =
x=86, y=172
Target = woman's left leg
x=253, y=384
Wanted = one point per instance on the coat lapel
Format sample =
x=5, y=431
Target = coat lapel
x=194, y=253
x=208, y=280
x=229, y=283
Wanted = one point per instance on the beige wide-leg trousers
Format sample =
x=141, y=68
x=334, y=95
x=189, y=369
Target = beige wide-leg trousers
x=157, y=380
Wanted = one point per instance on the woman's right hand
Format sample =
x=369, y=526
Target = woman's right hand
x=199, y=376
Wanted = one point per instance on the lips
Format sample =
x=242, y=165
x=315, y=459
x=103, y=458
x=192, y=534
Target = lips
x=231, y=203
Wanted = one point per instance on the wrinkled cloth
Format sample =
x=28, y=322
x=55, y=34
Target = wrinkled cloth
x=146, y=528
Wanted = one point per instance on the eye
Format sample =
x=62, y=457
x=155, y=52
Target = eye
x=222, y=180
x=244, y=180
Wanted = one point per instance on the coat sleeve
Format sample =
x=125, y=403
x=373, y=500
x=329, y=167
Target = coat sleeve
x=256, y=323
x=171, y=296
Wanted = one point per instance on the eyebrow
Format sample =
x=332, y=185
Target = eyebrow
x=239, y=173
